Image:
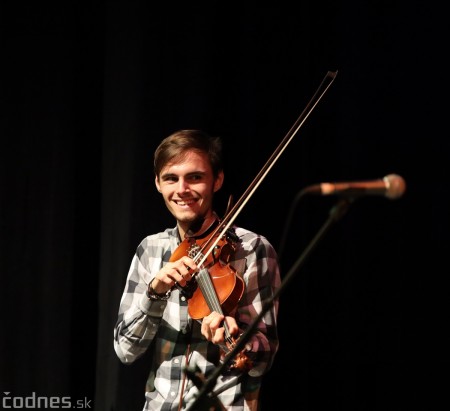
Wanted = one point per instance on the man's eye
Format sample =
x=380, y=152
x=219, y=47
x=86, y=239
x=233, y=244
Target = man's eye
x=195, y=177
x=170, y=179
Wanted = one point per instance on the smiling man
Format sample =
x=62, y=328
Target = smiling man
x=155, y=311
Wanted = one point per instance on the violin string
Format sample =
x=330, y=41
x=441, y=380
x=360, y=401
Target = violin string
x=207, y=287
x=205, y=283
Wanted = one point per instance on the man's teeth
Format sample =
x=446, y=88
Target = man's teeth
x=186, y=202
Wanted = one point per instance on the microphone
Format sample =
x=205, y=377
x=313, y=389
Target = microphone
x=391, y=186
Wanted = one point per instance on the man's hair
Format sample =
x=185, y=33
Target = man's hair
x=177, y=144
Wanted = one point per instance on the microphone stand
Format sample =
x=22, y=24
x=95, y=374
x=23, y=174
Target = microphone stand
x=335, y=214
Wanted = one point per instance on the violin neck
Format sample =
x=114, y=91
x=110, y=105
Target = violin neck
x=209, y=293
x=241, y=361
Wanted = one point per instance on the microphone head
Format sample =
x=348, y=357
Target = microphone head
x=395, y=186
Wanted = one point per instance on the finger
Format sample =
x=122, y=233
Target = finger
x=206, y=330
x=232, y=325
x=174, y=273
x=219, y=336
x=215, y=321
x=184, y=278
x=184, y=273
x=188, y=264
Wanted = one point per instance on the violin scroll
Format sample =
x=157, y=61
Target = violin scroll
x=240, y=361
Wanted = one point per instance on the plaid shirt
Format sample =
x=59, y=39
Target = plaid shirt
x=167, y=328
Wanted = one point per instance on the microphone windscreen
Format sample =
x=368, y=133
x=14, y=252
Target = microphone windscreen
x=395, y=186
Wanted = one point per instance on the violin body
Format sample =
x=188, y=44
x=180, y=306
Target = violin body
x=215, y=286
x=227, y=286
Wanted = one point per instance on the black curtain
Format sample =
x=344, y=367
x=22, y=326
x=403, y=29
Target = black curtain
x=88, y=91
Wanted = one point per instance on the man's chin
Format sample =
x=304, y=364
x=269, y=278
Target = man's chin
x=187, y=216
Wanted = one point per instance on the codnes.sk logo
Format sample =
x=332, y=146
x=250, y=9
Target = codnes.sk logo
x=34, y=401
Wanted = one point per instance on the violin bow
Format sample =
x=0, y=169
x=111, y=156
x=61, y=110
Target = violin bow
x=230, y=216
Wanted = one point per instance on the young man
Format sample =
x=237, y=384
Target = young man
x=155, y=311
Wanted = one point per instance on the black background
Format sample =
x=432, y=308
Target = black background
x=90, y=88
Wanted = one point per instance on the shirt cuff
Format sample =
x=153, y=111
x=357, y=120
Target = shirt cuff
x=153, y=308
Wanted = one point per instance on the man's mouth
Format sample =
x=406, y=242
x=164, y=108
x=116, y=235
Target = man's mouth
x=185, y=203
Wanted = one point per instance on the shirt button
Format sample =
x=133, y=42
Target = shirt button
x=173, y=393
x=176, y=360
x=183, y=298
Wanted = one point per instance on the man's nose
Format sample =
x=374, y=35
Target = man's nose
x=182, y=185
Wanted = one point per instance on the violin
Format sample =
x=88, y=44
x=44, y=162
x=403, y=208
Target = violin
x=215, y=286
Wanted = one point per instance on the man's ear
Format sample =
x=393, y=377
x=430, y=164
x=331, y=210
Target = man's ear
x=218, y=181
x=158, y=187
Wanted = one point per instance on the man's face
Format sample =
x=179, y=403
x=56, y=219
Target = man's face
x=187, y=185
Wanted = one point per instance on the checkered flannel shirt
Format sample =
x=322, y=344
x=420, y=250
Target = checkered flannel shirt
x=166, y=327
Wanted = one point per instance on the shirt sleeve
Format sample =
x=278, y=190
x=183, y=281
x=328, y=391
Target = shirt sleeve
x=139, y=317
x=262, y=279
